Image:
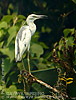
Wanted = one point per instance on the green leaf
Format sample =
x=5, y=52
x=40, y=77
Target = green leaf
x=35, y=37
x=48, y=30
x=12, y=33
x=8, y=52
x=7, y=65
x=20, y=66
x=1, y=44
x=3, y=24
x=11, y=90
x=37, y=49
x=0, y=87
x=8, y=11
x=11, y=6
x=44, y=4
x=7, y=18
x=41, y=66
x=21, y=16
x=43, y=29
x=12, y=29
x=74, y=1
x=44, y=45
x=69, y=41
x=2, y=34
x=67, y=31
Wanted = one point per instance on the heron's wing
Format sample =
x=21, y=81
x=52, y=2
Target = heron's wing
x=22, y=42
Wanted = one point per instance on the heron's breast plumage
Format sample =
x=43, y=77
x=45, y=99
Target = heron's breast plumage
x=32, y=28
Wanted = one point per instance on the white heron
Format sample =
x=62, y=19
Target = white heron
x=23, y=37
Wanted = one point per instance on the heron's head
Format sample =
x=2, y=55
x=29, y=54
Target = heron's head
x=31, y=18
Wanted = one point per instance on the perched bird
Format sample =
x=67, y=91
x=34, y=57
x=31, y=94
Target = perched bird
x=24, y=35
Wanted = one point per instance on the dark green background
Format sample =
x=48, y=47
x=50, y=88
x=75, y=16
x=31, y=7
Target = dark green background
x=61, y=15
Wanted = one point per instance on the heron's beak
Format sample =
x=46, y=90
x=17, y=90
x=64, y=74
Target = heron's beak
x=41, y=16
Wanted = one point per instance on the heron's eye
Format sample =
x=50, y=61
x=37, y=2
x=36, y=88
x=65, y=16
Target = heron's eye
x=34, y=16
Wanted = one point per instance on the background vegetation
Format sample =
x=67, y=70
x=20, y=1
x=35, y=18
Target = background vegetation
x=52, y=52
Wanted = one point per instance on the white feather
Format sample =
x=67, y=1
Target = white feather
x=24, y=35
x=22, y=44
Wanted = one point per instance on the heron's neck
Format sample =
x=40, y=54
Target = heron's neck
x=32, y=27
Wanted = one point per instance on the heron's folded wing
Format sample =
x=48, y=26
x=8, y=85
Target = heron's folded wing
x=22, y=42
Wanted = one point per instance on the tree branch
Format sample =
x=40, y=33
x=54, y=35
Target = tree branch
x=32, y=79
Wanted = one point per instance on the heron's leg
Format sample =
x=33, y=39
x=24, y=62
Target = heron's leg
x=23, y=64
x=28, y=61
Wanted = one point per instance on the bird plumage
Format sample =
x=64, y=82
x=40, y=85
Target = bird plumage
x=24, y=35
x=22, y=42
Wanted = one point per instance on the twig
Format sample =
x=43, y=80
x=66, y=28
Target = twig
x=46, y=85
x=63, y=63
x=64, y=51
x=24, y=86
x=50, y=87
x=33, y=79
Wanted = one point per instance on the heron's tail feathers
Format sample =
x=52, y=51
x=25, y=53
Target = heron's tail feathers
x=18, y=58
